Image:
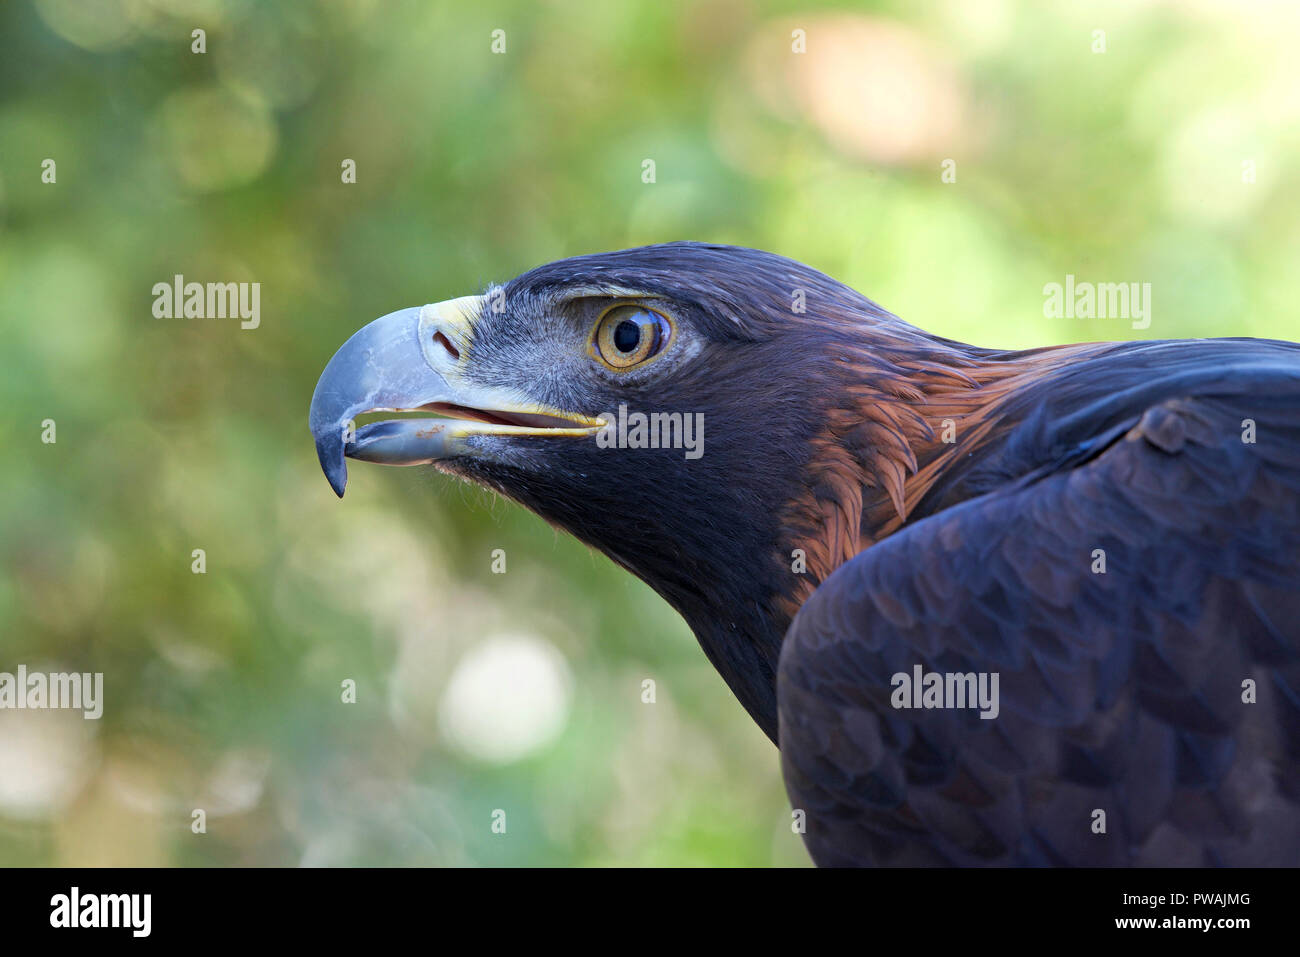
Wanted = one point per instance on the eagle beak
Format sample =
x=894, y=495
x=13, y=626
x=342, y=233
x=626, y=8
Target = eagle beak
x=380, y=367
x=412, y=360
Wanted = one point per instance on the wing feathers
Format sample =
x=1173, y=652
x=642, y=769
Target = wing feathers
x=1122, y=685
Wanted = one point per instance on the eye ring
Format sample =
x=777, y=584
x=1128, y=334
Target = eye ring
x=628, y=335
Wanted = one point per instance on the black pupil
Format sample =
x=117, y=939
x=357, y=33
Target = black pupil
x=627, y=335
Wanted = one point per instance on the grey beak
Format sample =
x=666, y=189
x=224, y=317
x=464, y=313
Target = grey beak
x=382, y=367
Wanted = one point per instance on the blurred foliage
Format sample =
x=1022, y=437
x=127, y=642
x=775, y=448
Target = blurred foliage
x=223, y=689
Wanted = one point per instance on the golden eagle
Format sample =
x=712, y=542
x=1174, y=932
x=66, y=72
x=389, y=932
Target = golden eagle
x=995, y=607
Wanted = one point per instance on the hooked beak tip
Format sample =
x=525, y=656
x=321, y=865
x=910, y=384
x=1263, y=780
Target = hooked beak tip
x=333, y=464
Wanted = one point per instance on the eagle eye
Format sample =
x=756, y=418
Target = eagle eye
x=628, y=335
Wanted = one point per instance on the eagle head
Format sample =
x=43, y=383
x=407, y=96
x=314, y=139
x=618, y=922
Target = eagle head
x=680, y=407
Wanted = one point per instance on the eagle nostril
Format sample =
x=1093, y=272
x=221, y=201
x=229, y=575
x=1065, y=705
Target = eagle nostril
x=443, y=341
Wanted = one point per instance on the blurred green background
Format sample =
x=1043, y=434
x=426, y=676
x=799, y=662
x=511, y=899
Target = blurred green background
x=1169, y=158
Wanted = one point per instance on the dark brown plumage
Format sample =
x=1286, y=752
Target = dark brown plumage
x=873, y=499
x=1121, y=691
